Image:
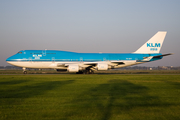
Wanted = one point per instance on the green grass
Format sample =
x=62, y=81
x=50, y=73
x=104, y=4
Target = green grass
x=90, y=97
x=51, y=71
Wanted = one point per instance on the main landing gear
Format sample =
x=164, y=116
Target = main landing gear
x=85, y=72
x=89, y=72
x=24, y=71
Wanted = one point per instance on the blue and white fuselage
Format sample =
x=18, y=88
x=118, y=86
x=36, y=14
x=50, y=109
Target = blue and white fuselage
x=88, y=62
x=53, y=58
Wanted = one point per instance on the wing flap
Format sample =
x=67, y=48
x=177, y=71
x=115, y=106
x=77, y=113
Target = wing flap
x=62, y=65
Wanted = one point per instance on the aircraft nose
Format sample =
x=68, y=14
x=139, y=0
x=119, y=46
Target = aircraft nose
x=10, y=58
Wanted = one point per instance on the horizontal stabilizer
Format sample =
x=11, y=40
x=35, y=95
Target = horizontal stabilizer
x=162, y=55
x=147, y=59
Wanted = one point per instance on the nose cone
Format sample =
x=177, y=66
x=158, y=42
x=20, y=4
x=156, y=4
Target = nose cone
x=9, y=59
x=12, y=58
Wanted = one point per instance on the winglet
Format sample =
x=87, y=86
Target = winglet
x=154, y=44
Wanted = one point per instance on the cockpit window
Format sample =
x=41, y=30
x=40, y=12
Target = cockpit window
x=19, y=52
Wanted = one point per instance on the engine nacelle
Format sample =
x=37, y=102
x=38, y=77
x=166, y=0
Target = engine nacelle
x=102, y=66
x=73, y=68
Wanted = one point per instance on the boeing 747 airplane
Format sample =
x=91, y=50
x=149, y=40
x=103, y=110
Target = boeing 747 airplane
x=88, y=62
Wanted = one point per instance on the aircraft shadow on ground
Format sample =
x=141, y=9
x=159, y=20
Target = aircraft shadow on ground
x=123, y=73
x=12, y=82
x=117, y=96
x=29, y=90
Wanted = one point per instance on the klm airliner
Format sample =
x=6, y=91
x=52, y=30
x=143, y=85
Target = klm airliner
x=87, y=63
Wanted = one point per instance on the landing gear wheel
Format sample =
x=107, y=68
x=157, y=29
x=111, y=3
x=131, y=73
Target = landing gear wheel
x=24, y=70
x=88, y=72
x=91, y=72
x=80, y=72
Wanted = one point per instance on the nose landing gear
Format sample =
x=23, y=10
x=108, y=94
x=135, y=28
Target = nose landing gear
x=24, y=71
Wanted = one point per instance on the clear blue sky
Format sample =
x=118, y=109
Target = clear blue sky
x=89, y=26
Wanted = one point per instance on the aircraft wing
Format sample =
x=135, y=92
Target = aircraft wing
x=117, y=62
x=105, y=64
x=62, y=65
x=110, y=63
x=84, y=65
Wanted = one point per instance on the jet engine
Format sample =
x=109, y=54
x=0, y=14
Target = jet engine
x=73, y=68
x=102, y=66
